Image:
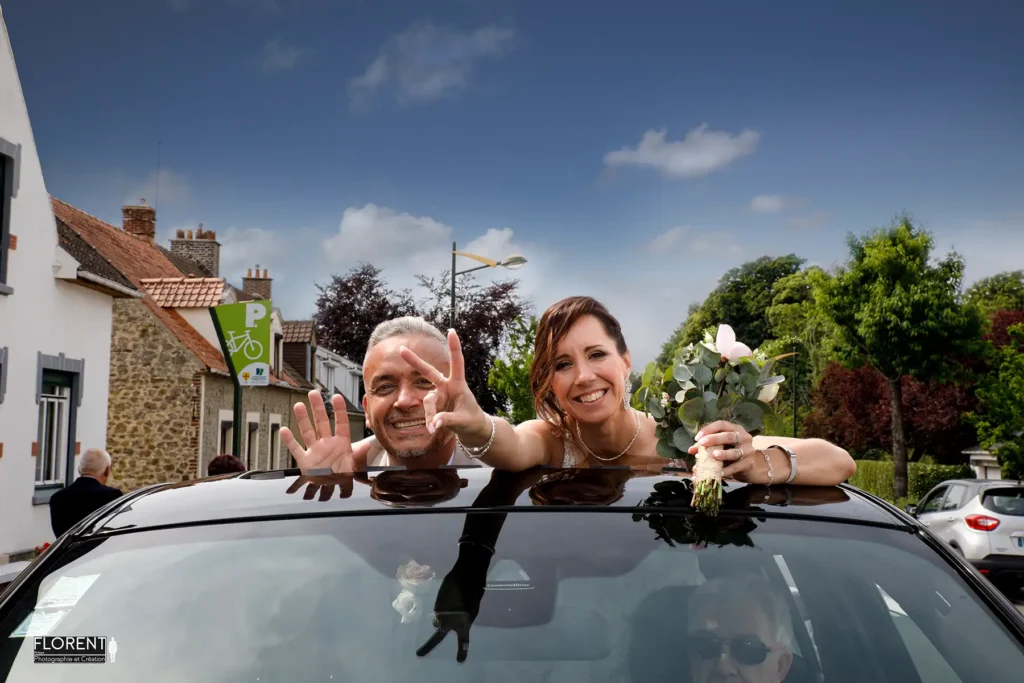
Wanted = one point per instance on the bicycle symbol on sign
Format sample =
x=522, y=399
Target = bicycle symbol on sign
x=249, y=346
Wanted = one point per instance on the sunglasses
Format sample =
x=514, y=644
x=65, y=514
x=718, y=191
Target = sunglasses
x=746, y=650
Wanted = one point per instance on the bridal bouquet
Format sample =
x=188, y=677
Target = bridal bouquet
x=717, y=379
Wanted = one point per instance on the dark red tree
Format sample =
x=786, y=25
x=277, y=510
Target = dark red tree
x=852, y=408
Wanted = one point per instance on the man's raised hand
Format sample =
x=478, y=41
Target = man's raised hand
x=324, y=449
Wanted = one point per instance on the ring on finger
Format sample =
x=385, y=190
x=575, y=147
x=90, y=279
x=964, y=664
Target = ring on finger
x=735, y=438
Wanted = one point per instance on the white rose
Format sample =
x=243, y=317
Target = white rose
x=415, y=577
x=727, y=345
x=407, y=606
x=768, y=393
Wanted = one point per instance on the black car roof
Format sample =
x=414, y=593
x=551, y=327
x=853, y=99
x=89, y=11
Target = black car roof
x=285, y=493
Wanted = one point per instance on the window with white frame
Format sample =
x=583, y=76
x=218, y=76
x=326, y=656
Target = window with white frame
x=10, y=158
x=329, y=377
x=53, y=429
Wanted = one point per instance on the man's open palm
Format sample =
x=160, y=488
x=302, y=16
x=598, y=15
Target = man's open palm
x=324, y=449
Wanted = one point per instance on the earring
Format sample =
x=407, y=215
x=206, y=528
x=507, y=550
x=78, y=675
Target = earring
x=627, y=394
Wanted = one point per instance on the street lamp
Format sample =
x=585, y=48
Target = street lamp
x=512, y=262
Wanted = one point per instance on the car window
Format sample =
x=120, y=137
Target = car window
x=927, y=658
x=955, y=498
x=934, y=500
x=1005, y=500
x=601, y=597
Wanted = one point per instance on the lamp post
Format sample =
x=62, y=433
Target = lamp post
x=512, y=262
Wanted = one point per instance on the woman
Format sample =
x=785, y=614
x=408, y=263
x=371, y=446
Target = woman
x=579, y=380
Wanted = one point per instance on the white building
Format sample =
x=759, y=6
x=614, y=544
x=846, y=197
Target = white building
x=56, y=298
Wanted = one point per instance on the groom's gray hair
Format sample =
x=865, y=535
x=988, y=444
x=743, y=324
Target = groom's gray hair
x=406, y=326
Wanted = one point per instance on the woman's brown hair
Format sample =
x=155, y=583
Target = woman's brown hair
x=553, y=326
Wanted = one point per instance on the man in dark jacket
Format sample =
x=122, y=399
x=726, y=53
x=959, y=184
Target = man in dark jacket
x=88, y=493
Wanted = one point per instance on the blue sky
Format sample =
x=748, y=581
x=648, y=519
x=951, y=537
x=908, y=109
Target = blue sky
x=632, y=151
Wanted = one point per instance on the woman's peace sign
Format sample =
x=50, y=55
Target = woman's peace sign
x=459, y=410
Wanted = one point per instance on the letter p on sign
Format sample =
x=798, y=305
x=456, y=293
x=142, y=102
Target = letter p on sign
x=254, y=312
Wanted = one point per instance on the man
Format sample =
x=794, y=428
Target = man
x=740, y=631
x=394, y=406
x=88, y=493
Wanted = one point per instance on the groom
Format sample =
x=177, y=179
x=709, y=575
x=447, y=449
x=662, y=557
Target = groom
x=394, y=406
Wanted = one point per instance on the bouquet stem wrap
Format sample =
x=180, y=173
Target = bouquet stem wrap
x=707, y=482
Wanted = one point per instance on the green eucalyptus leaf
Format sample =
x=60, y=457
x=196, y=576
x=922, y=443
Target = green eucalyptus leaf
x=724, y=413
x=682, y=373
x=682, y=439
x=666, y=376
x=648, y=375
x=665, y=449
x=655, y=408
x=721, y=374
x=710, y=410
x=692, y=410
x=765, y=407
x=702, y=375
x=749, y=416
x=708, y=357
x=691, y=427
x=767, y=367
x=770, y=380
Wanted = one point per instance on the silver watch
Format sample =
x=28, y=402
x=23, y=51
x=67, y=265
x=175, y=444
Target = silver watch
x=792, y=462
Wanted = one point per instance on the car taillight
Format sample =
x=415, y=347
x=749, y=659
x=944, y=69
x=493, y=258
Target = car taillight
x=982, y=522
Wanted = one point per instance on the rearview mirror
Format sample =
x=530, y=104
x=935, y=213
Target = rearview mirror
x=911, y=509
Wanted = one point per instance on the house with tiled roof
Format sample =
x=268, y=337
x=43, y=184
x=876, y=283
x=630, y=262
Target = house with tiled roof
x=57, y=296
x=171, y=396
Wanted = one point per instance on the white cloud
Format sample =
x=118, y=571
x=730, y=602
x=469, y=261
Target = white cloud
x=173, y=189
x=669, y=240
x=769, y=203
x=277, y=57
x=426, y=63
x=682, y=239
x=811, y=221
x=701, y=152
x=384, y=237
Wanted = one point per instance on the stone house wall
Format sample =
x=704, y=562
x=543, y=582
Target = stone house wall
x=152, y=423
x=218, y=404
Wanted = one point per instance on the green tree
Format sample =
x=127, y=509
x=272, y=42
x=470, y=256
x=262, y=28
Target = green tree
x=897, y=311
x=1001, y=425
x=740, y=300
x=1001, y=292
x=509, y=377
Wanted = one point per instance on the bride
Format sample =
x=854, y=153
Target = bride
x=579, y=381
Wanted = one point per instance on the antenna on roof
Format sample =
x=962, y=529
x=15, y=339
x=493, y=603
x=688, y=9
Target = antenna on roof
x=156, y=206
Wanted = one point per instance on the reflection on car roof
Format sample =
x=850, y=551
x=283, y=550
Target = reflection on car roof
x=286, y=493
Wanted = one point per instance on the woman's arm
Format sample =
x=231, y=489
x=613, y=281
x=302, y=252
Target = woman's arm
x=818, y=462
x=512, y=448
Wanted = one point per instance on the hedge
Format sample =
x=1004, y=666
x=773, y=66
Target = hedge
x=875, y=476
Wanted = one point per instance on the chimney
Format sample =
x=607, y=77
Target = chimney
x=140, y=221
x=257, y=285
x=200, y=247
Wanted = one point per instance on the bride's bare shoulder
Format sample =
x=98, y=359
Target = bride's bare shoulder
x=544, y=436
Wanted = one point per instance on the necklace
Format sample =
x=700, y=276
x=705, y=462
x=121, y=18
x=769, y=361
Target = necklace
x=579, y=435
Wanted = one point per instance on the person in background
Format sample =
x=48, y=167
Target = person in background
x=88, y=493
x=224, y=464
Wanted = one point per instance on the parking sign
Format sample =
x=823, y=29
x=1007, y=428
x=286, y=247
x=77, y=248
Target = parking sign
x=244, y=329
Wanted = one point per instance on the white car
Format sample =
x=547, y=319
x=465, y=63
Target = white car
x=981, y=519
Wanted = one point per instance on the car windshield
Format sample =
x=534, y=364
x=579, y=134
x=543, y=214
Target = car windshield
x=1005, y=501
x=571, y=596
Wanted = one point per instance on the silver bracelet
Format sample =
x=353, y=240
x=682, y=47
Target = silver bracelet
x=768, y=462
x=479, y=451
x=792, y=461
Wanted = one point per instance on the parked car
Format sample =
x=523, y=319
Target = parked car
x=472, y=574
x=981, y=519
